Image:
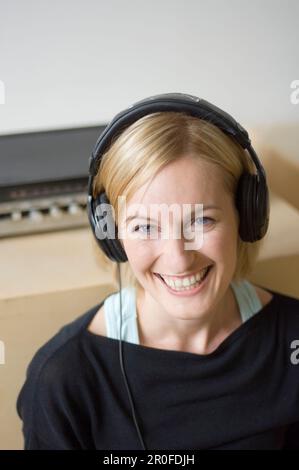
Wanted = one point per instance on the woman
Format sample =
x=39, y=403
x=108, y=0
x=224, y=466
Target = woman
x=208, y=354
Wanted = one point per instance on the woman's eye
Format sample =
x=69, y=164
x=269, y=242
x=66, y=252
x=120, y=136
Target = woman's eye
x=136, y=229
x=206, y=218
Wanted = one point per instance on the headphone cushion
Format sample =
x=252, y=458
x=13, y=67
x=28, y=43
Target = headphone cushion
x=246, y=204
x=106, y=233
x=252, y=203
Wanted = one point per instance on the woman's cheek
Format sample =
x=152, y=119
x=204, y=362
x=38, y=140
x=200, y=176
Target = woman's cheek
x=228, y=249
x=219, y=243
x=139, y=251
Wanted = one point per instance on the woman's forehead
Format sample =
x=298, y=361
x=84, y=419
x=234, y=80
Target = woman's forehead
x=182, y=186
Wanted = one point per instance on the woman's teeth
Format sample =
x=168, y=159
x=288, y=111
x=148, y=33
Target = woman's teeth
x=186, y=283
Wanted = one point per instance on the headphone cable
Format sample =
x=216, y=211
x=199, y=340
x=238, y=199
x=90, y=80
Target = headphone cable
x=122, y=365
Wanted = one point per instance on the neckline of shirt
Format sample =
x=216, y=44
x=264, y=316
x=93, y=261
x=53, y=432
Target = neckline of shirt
x=253, y=322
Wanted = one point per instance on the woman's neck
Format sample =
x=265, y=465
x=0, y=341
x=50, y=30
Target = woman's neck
x=199, y=335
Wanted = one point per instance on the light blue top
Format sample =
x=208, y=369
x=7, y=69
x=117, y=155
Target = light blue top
x=248, y=301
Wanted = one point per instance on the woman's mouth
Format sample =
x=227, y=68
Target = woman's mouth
x=179, y=289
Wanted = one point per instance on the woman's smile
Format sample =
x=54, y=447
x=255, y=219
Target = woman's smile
x=178, y=288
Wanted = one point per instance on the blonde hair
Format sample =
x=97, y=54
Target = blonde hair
x=150, y=143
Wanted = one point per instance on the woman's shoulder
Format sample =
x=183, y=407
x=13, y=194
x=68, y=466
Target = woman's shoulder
x=65, y=341
x=264, y=295
x=58, y=370
x=97, y=325
x=285, y=306
x=55, y=359
x=110, y=305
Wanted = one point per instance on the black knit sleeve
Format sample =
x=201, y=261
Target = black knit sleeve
x=49, y=405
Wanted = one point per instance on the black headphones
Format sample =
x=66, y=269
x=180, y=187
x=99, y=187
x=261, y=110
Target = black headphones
x=252, y=197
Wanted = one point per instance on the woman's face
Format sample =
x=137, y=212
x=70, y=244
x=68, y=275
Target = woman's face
x=185, y=181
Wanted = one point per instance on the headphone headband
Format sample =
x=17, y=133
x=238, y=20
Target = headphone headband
x=176, y=102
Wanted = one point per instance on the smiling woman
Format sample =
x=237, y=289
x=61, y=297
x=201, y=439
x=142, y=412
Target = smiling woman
x=163, y=147
x=162, y=306
x=200, y=340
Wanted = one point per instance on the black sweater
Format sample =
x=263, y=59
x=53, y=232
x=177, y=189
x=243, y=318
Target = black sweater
x=243, y=395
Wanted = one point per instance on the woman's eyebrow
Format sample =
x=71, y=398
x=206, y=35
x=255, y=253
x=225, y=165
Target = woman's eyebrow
x=205, y=207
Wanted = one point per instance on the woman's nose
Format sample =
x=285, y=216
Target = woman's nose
x=179, y=259
x=185, y=241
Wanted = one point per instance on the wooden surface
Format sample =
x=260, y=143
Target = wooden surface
x=48, y=262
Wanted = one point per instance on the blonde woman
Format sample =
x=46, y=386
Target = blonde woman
x=208, y=359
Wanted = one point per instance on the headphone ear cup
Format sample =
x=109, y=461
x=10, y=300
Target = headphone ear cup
x=252, y=202
x=105, y=229
x=241, y=204
x=263, y=204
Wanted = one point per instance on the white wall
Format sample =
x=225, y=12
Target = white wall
x=68, y=63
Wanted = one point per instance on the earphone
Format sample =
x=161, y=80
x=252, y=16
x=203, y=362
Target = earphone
x=252, y=196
